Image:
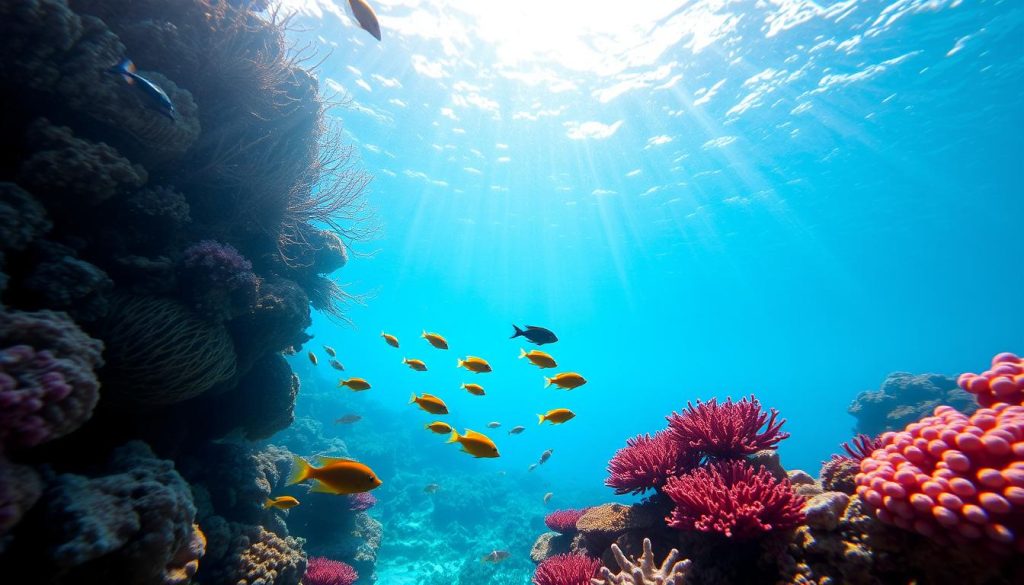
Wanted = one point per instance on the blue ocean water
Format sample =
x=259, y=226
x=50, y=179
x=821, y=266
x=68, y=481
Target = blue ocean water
x=702, y=199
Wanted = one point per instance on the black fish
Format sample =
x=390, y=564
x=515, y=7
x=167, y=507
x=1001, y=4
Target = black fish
x=537, y=335
x=126, y=69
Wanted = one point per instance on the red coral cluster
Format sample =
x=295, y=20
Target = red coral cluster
x=734, y=499
x=324, y=571
x=564, y=521
x=1004, y=382
x=730, y=430
x=566, y=570
x=953, y=478
x=648, y=462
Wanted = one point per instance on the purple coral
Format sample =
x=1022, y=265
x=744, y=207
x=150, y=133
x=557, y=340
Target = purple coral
x=361, y=502
x=730, y=430
x=218, y=279
x=324, y=571
x=48, y=387
x=647, y=462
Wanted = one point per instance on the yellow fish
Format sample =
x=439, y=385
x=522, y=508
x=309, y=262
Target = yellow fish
x=556, y=416
x=281, y=502
x=567, y=380
x=474, y=443
x=474, y=389
x=538, y=358
x=430, y=403
x=330, y=351
x=312, y=357
x=356, y=384
x=440, y=428
x=435, y=340
x=417, y=365
x=475, y=364
x=338, y=475
x=391, y=339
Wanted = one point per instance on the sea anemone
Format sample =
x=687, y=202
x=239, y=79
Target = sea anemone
x=730, y=430
x=647, y=462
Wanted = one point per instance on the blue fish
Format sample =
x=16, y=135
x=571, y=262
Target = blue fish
x=126, y=69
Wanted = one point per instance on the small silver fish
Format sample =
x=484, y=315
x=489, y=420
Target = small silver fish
x=432, y=488
x=547, y=497
x=516, y=430
x=337, y=365
x=493, y=425
x=532, y=467
x=545, y=456
x=330, y=350
x=495, y=556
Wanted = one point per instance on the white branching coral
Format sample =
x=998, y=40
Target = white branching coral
x=644, y=571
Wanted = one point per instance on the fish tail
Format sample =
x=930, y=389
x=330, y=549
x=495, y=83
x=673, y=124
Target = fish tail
x=412, y=398
x=405, y=360
x=424, y=334
x=126, y=69
x=540, y=419
x=342, y=383
x=547, y=382
x=454, y=437
x=522, y=353
x=517, y=333
x=268, y=503
x=460, y=364
x=301, y=470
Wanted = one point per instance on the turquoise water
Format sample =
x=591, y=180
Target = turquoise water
x=715, y=199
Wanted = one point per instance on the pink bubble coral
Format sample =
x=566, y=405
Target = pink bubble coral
x=953, y=478
x=733, y=499
x=647, y=462
x=1004, y=382
x=564, y=521
x=324, y=571
x=361, y=502
x=569, y=569
x=729, y=430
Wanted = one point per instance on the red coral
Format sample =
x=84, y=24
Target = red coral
x=647, y=462
x=1003, y=383
x=860, y=447
x=566, y=570
x=324, y=571
x=731, y=498
x=564, y=521
x=953, y=478
x=730, y=430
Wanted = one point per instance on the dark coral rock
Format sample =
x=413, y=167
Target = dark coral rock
x=278, y=321
x=218, y=280
x=22, y=218
x=20, y=488
x=60, y=280
x=261, y=404
x=905, y=398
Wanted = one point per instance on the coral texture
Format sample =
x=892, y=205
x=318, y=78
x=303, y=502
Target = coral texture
x=729, y=430
x=953, y=478
x=648, y=462
x=645, y=571
x=324, y=571
x=566, y=570
x=564, y=521
x=733, y=499
x=47, y=384
x=20, y=488
x=361, y=502
x=1003, y=382
x=905, y=398
x=218, y=280
x=837, y=474
x=256, y=556
x=22, y=218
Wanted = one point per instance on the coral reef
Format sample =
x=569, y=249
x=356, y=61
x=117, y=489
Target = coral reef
x=733, y=499
x=20, y=488
x=48, y=387
x=1004, y=382
x=904, y=398
x=953, y=478
x=645, y=571
x=256, y=556
x=361, y=502
x=648, y=462
x=218, y=280
x=564, y=521
x=570, y=569
x=837, y=474
x=729, y=430
x=324, y=571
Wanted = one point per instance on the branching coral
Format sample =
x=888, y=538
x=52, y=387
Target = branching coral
x=564, y=521
x=160, y=352
x=566, y=570
x=837, y=474
x=645, y=571
x=729, y=430
x=733, y=499
x=324, y=571
x=1004, y=382
x=647, y=462
x=48, y=387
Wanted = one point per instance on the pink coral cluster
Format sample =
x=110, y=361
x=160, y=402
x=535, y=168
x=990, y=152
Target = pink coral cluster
x=324, y=571
x=729, y=430
x=564, y=521
x=648, y=462
x=570, y=569
x=361, y=502
x=953, y=478
x=734, y=499
x=1003, y=383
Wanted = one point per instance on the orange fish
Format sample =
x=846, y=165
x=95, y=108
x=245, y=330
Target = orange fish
x=440, y=428
x=435, y=340
x=556, y=416
x=476, y=444
x=567, y=380
x=474, y=389
x=417, y=365
x=356, y=384
x=475, y=364
x=538, y=358
x=390, y=339
x=281, y=502
x=339, y=475
x=429, y=403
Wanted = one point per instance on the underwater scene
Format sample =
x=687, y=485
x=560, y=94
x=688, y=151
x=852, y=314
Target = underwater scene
x=467, y=292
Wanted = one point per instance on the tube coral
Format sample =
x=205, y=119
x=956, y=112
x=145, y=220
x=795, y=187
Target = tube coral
x=729, y=430
x=647, y=462
x=1003, y=382
x=733, y=499
x=324, y=571
x=570, y=569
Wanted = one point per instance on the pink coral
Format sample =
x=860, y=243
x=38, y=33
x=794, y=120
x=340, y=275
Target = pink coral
x=734, y=499
x=48, y=387
x=361, y=502
x=218, y=280
x=647, y=462
x=730, y=430
x=564, y=521
x=324, y=571
x=570, y=569
x=1004, y=382
x=953, y=478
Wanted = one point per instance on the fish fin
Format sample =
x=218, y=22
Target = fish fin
x=540, y=419
x=473, y=434
x=268, y=503
x=412, y=399
x=301, y=470
x=324, y=460
x=459, y=365
x=547, y=381
x=320, y=487
x=425, y=395
x=454, y=437
x=522, y=353
x=517, y=333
